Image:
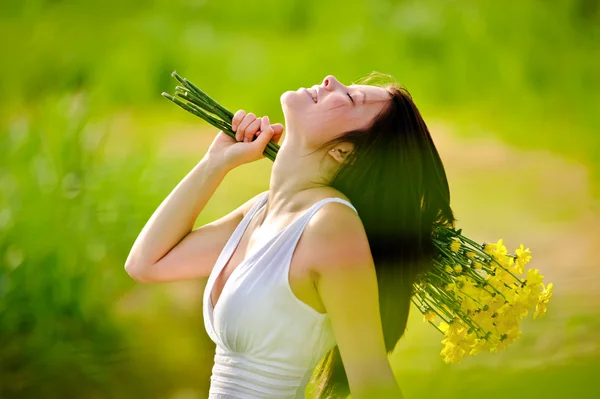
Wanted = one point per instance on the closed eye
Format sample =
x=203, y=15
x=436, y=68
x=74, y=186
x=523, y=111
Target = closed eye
x=351, y=99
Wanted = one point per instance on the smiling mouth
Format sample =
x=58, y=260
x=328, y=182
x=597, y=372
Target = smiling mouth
x=312, y=95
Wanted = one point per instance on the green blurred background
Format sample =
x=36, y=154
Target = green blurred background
x=89, y=149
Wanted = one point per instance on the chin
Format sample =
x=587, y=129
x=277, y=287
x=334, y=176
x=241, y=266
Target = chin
x=294, y=104
x=294, y=98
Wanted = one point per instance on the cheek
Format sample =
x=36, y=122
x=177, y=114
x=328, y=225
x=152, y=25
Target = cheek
x=338, y=118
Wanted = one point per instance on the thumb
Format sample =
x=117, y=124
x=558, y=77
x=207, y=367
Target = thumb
x=266, y=132
x=277, y=128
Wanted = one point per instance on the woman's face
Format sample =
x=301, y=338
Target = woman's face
x=322, y=112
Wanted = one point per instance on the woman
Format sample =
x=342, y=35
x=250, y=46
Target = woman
x=318, y=270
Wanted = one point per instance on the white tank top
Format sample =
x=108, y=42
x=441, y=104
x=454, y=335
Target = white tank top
x=268, y=341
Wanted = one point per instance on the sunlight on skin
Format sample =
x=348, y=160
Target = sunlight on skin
x=318, y=114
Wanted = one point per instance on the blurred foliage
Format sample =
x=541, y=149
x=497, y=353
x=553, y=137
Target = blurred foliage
x=525, y=70
x=77, y=185
x=67, y=215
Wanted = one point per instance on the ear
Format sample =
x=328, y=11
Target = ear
x=340, y=151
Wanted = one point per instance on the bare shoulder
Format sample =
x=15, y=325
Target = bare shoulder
x=346, y=284
x=337, y=239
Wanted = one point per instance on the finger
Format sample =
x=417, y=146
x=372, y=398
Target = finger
x=277, y=129
x=237, y=118
x=277, y=132
x=251, y=130
x=265, y=135
x=241, y=130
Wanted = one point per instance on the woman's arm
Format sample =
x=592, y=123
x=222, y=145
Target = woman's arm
x=347, y=286
x=172, y=223
x=167, y=249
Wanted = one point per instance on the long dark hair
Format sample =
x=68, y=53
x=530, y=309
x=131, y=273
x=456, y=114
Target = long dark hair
x=396, y=180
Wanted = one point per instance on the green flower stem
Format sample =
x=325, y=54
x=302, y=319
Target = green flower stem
x=487, y=256
x=209, y=118
x=269, y=152
x=208, y=98
x=270, y=149
x=440, y=295
x=506, y=270
x=198, y=112
x=440, y=308
x=191, y=96
x=461, y=315
x=429, y=307
x=436, y=327
x=443, y=297
x=199, y=93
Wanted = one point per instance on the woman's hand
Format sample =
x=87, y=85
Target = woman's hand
x=252, y=135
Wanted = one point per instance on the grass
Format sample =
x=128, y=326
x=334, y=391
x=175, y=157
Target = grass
x=90, y=148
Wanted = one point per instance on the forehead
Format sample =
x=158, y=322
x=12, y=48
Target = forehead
x=373, y=93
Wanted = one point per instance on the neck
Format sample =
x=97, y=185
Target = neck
x=295, y=179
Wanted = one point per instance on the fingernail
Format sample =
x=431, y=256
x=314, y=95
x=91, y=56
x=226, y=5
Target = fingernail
x=245, y=139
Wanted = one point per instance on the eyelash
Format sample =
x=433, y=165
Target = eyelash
x=351, y=99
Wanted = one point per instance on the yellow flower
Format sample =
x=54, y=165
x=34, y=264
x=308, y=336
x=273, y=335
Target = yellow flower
x=458, y=268
x=507, y=338
x=547, y=292
x=468, y=304
x=448, y=269
x=455, y=332
x=495, y=303
x=429, y=315
x=489, y=248
x=485, y=320
x=443, y=326
x=467, y=341
x=452, y=287
x=456, y=343
x=496, y=250
x=523, y=256
x=470, y=254
x=495, y=281
x=534, y=278
x=455, y=245
x=478, y=346
x=452, y=353
x=478, y=266
x=516, y=307
x=513, y=334
x=505, y=276
x=540, y=308
x=531, y=295
x=506, y=261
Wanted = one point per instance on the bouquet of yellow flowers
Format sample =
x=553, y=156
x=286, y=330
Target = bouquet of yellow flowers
x=480, y=292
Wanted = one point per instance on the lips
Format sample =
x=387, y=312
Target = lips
x=312, y=94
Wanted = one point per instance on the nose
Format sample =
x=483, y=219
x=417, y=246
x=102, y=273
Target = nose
x=330, y=82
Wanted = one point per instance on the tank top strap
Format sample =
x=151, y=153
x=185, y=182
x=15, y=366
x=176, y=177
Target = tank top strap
x=241, y=228
x=236, y=236
x=317, y=205
x=297, y=228
x=228, y=250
